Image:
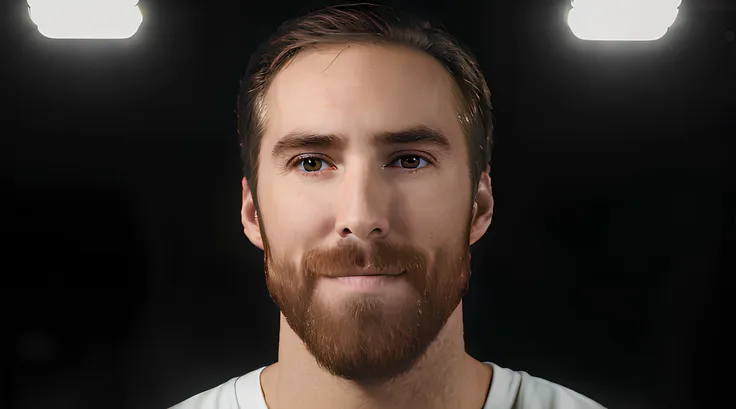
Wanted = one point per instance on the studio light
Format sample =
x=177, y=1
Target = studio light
x=622, y=20
x=86, y=19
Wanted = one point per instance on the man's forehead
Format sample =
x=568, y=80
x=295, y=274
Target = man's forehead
x=361, y=89
x=357, y=59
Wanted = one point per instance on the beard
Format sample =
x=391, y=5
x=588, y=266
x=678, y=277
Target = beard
x=364, y=337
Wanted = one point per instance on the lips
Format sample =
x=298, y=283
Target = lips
x=368, y=283
x=368, y=273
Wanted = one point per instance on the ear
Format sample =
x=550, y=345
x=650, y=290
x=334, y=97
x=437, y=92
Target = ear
x=482, y=207
x=249, y=217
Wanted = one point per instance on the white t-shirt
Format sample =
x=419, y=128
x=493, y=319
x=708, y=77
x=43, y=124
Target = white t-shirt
x=509, y=390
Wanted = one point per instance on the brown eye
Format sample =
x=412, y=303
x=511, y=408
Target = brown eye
x=311, y=164
x=410, y=162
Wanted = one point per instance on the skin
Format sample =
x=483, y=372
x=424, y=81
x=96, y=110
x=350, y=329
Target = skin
x=405, y=207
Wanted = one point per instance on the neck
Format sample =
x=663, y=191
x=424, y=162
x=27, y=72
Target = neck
x=446, y=376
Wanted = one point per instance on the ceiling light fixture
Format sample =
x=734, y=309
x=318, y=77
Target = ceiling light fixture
x=622, y=20
x=86, y=19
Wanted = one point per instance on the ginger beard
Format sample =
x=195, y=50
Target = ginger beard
x=370, y=338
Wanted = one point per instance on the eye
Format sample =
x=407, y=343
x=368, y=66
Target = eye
x=411, y=161
x=311, y=164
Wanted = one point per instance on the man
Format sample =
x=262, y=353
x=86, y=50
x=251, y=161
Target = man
x=366, y=138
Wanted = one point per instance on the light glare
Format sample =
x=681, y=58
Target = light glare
x=86, y=19
x=622, y=20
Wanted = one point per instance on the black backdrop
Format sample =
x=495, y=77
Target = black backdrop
x=128, y=282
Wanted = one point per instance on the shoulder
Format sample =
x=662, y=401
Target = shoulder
x=520, y=390
x=546, y=394
x=219, y=397
x=237, y=393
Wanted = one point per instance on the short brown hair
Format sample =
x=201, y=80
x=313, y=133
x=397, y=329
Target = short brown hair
x=364, y=23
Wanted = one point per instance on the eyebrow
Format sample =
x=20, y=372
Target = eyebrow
x=420, y=134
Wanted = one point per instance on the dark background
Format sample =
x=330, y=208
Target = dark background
x=128, y=282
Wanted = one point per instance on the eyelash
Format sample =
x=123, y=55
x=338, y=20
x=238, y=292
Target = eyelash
x=299, y=159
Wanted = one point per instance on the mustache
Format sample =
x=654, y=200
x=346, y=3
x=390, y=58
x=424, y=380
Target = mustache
x=378, y=257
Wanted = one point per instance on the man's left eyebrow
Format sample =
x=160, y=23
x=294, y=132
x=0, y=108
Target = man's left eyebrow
x=420, y=134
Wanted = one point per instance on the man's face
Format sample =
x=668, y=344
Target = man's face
x=339, y=200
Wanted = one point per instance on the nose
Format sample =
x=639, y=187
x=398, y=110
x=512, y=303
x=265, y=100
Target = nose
x=363, y=205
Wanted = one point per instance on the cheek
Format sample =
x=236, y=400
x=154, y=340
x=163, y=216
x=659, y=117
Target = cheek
x=298, y=221
x=436, y=220
x=436, y=202
x=435, y=213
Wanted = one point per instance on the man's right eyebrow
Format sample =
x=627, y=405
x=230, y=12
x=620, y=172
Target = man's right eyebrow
x=299, y=140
